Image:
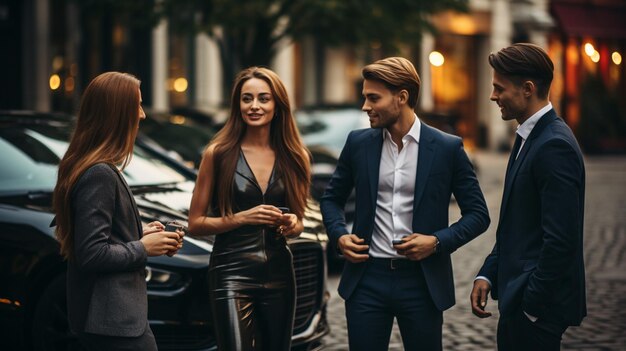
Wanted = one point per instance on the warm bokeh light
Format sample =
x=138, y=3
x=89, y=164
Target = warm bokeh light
x=69, y=84
x=436, y=58
x=177, y=119
x=617, y=58
x=57, y=63
x=55, y=82
x=589, y=49
x=595, y=57
x=463, y=24
x=180, y=84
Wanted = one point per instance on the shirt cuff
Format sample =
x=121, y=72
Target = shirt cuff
x=483, y=278
x=531, y=318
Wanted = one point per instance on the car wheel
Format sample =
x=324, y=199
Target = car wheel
x=50, y=327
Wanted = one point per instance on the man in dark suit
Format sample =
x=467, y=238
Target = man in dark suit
x=398, y=252
x=536, y=268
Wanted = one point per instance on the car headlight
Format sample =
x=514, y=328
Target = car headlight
x=161, y=281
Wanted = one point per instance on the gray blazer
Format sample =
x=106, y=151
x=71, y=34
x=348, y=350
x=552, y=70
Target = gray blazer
x=106, y=287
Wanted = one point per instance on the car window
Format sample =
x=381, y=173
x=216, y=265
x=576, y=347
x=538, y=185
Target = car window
x=185, y=141
x=147, y=170
x=330, y=128
x=26, y=162
x=30, y=156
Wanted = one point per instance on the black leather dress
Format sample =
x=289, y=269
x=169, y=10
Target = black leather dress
x=251, y=276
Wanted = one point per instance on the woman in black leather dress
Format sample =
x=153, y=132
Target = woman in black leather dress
x=254, y=165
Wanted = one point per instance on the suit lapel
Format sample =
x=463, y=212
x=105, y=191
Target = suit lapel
x=514, y=165
x=132, y=199
x=374, y=150
x=424, y=162
x=510, y=174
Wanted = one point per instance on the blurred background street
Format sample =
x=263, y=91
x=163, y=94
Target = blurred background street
x=187, y=52
x=605, y=261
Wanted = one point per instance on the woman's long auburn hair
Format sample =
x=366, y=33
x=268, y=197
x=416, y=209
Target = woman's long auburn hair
x=292, y=159
x=107, y=124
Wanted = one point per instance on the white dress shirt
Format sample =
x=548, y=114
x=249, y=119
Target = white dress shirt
x=396, y=191
x=526, y=128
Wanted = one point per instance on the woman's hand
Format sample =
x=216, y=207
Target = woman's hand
x=260, y=215
x=289, y=225
x=158, y=227
x=181, y=235
x=153, y=227
x=160, y=243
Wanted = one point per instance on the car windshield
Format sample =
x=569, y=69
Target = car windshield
x=329, y=128
x=31, y=153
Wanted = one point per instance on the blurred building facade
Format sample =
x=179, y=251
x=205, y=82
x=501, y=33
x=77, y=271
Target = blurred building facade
x=589, y=89
x=53, y=50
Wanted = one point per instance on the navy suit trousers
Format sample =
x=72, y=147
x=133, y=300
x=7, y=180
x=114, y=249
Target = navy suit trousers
x=383, y=294
x=518, y=333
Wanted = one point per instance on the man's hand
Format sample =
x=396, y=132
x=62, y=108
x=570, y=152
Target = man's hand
x=478, y=298
x=351, y=246
x=417, y=247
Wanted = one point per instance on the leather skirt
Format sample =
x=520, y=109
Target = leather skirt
x=252, y=290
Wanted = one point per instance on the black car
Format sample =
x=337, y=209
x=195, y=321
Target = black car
x=32, y=273
x=182, y=138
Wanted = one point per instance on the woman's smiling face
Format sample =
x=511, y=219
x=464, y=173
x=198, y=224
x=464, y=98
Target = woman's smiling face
x=257, y=102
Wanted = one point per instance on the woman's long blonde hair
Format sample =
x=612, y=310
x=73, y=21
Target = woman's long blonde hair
x=292, y=159
x=105, y=132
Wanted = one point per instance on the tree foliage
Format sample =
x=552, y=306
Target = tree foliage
x=248, y=32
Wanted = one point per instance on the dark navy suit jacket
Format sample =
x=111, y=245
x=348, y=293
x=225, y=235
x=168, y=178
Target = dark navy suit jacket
x=537, y=262
x=443, y=169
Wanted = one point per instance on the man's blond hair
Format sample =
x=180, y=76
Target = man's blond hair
x=397, y=73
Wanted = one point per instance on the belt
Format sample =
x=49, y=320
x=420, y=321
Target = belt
x=395, y=263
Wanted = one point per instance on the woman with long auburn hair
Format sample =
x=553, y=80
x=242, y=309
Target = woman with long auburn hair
x=98, y=225
x=251, y=193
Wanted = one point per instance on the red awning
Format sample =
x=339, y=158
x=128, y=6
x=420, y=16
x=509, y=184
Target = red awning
x=585, y=19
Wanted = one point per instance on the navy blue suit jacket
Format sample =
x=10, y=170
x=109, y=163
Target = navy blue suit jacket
x=443, y=169
x=537, y=262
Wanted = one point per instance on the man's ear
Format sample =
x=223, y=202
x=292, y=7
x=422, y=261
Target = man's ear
x=529, y=88
x=403, y=95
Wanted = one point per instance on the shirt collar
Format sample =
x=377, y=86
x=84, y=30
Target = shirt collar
x=526, y=128
x=414, y=132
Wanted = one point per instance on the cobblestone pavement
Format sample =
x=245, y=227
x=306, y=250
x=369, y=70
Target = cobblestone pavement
x=605, y=260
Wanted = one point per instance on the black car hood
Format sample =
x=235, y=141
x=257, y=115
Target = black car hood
x=169, y=199
x=34, y=209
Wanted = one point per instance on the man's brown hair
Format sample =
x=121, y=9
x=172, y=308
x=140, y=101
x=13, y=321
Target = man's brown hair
x=397, y=73
x=524, y=61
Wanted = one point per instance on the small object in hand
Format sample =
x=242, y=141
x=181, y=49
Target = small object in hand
x=284, y=209
x=173, y=227
x=397, y=241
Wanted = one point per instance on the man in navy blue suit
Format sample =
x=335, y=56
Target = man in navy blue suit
x=536, y=269
x=398, y=252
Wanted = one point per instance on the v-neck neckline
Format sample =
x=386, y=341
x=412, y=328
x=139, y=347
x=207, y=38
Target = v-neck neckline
x=254, y=178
